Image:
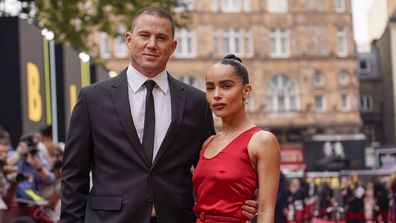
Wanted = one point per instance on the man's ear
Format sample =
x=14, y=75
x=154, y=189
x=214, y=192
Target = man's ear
x=174, y=45
x=128, y=40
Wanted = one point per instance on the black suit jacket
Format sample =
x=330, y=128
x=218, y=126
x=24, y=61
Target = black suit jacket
x=102, y=138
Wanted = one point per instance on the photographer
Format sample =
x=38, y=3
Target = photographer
x=56, y=162
x=53, y=150
x=33, y=173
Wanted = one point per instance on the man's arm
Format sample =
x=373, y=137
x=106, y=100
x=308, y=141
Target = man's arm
x=207, y=129
x=76, y=164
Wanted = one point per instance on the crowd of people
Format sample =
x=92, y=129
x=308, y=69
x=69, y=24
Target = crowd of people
x=29, y=175
x=352, y=201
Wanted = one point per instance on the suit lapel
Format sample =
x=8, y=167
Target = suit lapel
x=119, y=95
x=177, y=106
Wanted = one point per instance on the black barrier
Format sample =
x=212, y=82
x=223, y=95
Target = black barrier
x=23, y=85
x=72, y=74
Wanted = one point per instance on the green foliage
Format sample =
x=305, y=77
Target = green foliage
x=73, y=21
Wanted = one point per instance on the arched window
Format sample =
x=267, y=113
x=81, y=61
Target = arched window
x=191, y=80
x=282, y=94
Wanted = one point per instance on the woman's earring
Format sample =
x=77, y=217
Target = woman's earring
x=245, y=99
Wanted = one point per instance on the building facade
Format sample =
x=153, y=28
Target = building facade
x=371, y=96
x=382, y=34
x=386, y=46
x=300, y=55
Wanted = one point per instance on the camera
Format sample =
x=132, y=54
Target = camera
x=20, y=177
x=31, y=142
x=2, y=164
x=58, y=156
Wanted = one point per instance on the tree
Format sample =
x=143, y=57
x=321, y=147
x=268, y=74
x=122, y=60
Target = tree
x=73, y=21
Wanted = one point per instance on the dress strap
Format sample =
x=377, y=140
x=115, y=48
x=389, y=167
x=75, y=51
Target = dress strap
x=207, y=144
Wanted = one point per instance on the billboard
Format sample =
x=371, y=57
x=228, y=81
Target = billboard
x=386, y=158
x=334, y=153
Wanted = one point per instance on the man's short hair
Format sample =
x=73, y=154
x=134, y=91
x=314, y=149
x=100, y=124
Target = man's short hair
x=157, y=12
x=46, y=131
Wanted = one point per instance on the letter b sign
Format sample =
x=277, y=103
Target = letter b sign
x=35, y=108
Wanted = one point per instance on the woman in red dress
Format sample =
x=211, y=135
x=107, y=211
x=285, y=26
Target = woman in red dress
x=240, y=158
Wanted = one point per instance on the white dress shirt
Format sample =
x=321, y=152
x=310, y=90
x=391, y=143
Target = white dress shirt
x=162, y=104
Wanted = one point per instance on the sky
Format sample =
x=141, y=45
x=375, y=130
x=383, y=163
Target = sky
x=359, y=13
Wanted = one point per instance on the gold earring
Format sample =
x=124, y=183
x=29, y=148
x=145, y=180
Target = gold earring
x=245, y=99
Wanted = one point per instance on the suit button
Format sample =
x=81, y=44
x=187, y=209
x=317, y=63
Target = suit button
x=150, y=201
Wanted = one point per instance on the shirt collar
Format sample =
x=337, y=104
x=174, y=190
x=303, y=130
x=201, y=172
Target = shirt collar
x=137, y=79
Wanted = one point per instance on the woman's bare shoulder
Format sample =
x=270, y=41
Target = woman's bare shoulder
x=208, y=140
x=263, y=140
x=264, y=136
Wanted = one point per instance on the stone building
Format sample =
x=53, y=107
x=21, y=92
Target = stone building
x=300, y=55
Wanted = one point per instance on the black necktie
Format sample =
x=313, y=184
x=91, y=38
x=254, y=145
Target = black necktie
x=149, y=120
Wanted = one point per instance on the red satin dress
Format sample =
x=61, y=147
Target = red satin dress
x=223, y=183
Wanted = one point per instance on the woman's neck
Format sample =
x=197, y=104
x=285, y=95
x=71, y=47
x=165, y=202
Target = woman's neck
x=236, y=123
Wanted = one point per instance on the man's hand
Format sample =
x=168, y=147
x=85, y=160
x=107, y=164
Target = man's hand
x=34, y=161
x=249, y=209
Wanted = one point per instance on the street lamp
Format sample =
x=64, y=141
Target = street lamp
x=84, y=57
x=85, y=69
x=49, y=36
x=112, y=74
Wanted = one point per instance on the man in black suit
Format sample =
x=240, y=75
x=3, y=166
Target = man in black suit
x=139, y=133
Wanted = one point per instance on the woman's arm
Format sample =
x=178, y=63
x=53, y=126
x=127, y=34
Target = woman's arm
x=264, y=153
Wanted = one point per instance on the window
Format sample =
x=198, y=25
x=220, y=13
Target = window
x=339, y=6
x=217, y=43
x=279, y=42
x=233, y=41
x=320, y=103
x=236, y=41
x=277, y=6
x=366, y=103
x=231, y=6
x=282, y=94
x=186, y=43
x=364, y=66
x=248, y=44
x=105, y=46
x=191, y=80
x=120, y=48
x=343, y=78
x=346, y=105
x=341, y=42
x=319, y=79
